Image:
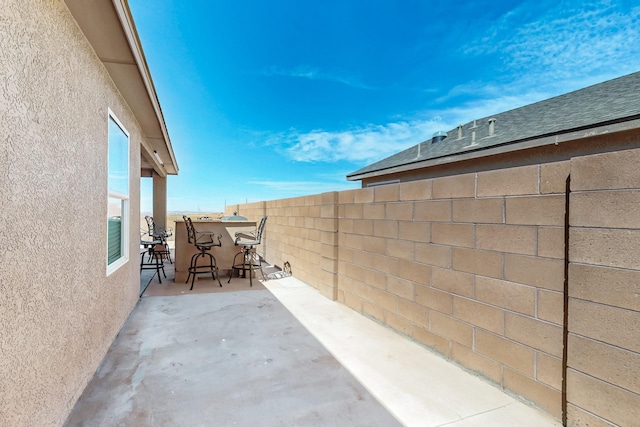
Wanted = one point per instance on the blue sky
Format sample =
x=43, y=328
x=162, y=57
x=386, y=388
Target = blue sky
x=283, y=98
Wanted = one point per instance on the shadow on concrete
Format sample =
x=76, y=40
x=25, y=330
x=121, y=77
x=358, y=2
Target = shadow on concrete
x=221, y=357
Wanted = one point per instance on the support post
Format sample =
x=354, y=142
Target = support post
x=160, y=200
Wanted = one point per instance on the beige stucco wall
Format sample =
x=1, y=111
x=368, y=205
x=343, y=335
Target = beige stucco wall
x=59, y=310
x=472, y=265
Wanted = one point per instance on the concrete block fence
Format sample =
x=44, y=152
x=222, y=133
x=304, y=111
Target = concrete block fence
x=475, y=266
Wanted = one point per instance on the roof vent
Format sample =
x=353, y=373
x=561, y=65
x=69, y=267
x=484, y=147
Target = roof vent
x=459, y=131
x=492, y=126
x=438, y=136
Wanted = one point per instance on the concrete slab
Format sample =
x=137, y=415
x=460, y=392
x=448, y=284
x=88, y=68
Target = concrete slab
x=278, y=354
x=418, y=387
x=222, y=359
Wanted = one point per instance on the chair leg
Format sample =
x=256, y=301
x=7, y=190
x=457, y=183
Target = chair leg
x=192, y=265
x=253, y=262
x=233, y=266
x=195, y=268
x=259, y=263
x=212, y=268
x=160, y=266
x=247, y=262
x=154, y=262
x=250, y=262
x=168, y=252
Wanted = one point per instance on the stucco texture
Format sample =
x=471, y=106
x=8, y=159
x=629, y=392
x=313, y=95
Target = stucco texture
x=59, y=309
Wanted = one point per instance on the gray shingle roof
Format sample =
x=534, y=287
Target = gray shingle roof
x=603, y=103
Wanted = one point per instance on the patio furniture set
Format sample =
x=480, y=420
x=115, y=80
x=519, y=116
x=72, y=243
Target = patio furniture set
x=200, y=241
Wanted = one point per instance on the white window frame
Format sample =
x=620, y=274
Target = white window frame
x=113, y=194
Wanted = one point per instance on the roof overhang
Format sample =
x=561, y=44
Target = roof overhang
x=555, y=139
x=109, y=28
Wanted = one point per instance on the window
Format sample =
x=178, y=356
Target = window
x=118, y=201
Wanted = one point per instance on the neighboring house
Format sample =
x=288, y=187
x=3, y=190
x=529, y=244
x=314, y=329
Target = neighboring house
x=555, y=129
x=80, y=124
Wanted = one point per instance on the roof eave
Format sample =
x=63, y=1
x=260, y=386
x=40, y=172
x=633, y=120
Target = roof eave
x=120, y=58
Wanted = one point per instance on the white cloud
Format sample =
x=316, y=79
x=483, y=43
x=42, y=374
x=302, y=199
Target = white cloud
x=374, y=142
x=485, y=107
x=313, y=73
x=571, y=46
x=477, y=89
x=256, y=190
x=358, y=145
x=295, y=188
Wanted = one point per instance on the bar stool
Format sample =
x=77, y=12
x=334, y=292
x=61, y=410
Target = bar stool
x=204, y=242
x=161, y=234
x=155, y=261
x=250, y=260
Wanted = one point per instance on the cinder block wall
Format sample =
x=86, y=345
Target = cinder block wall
x=473, y=266
x=469, y=265
x=302, y=231
x=603, y=387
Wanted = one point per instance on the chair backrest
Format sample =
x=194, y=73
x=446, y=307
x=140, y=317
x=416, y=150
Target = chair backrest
x=151, y=225
x=260, y=229
x=191, y=231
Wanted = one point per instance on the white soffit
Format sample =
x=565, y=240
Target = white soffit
x=109, y=28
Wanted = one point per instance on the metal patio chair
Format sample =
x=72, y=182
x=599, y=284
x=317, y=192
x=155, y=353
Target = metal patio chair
x=250, y=260
x=156, y=260
x=203, y=241
x=161, y=234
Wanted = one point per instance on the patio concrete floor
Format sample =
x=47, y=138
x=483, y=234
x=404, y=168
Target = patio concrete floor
x=278, y=354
